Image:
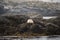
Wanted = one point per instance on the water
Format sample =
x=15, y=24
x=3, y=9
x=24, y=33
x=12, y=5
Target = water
x=40, y=38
